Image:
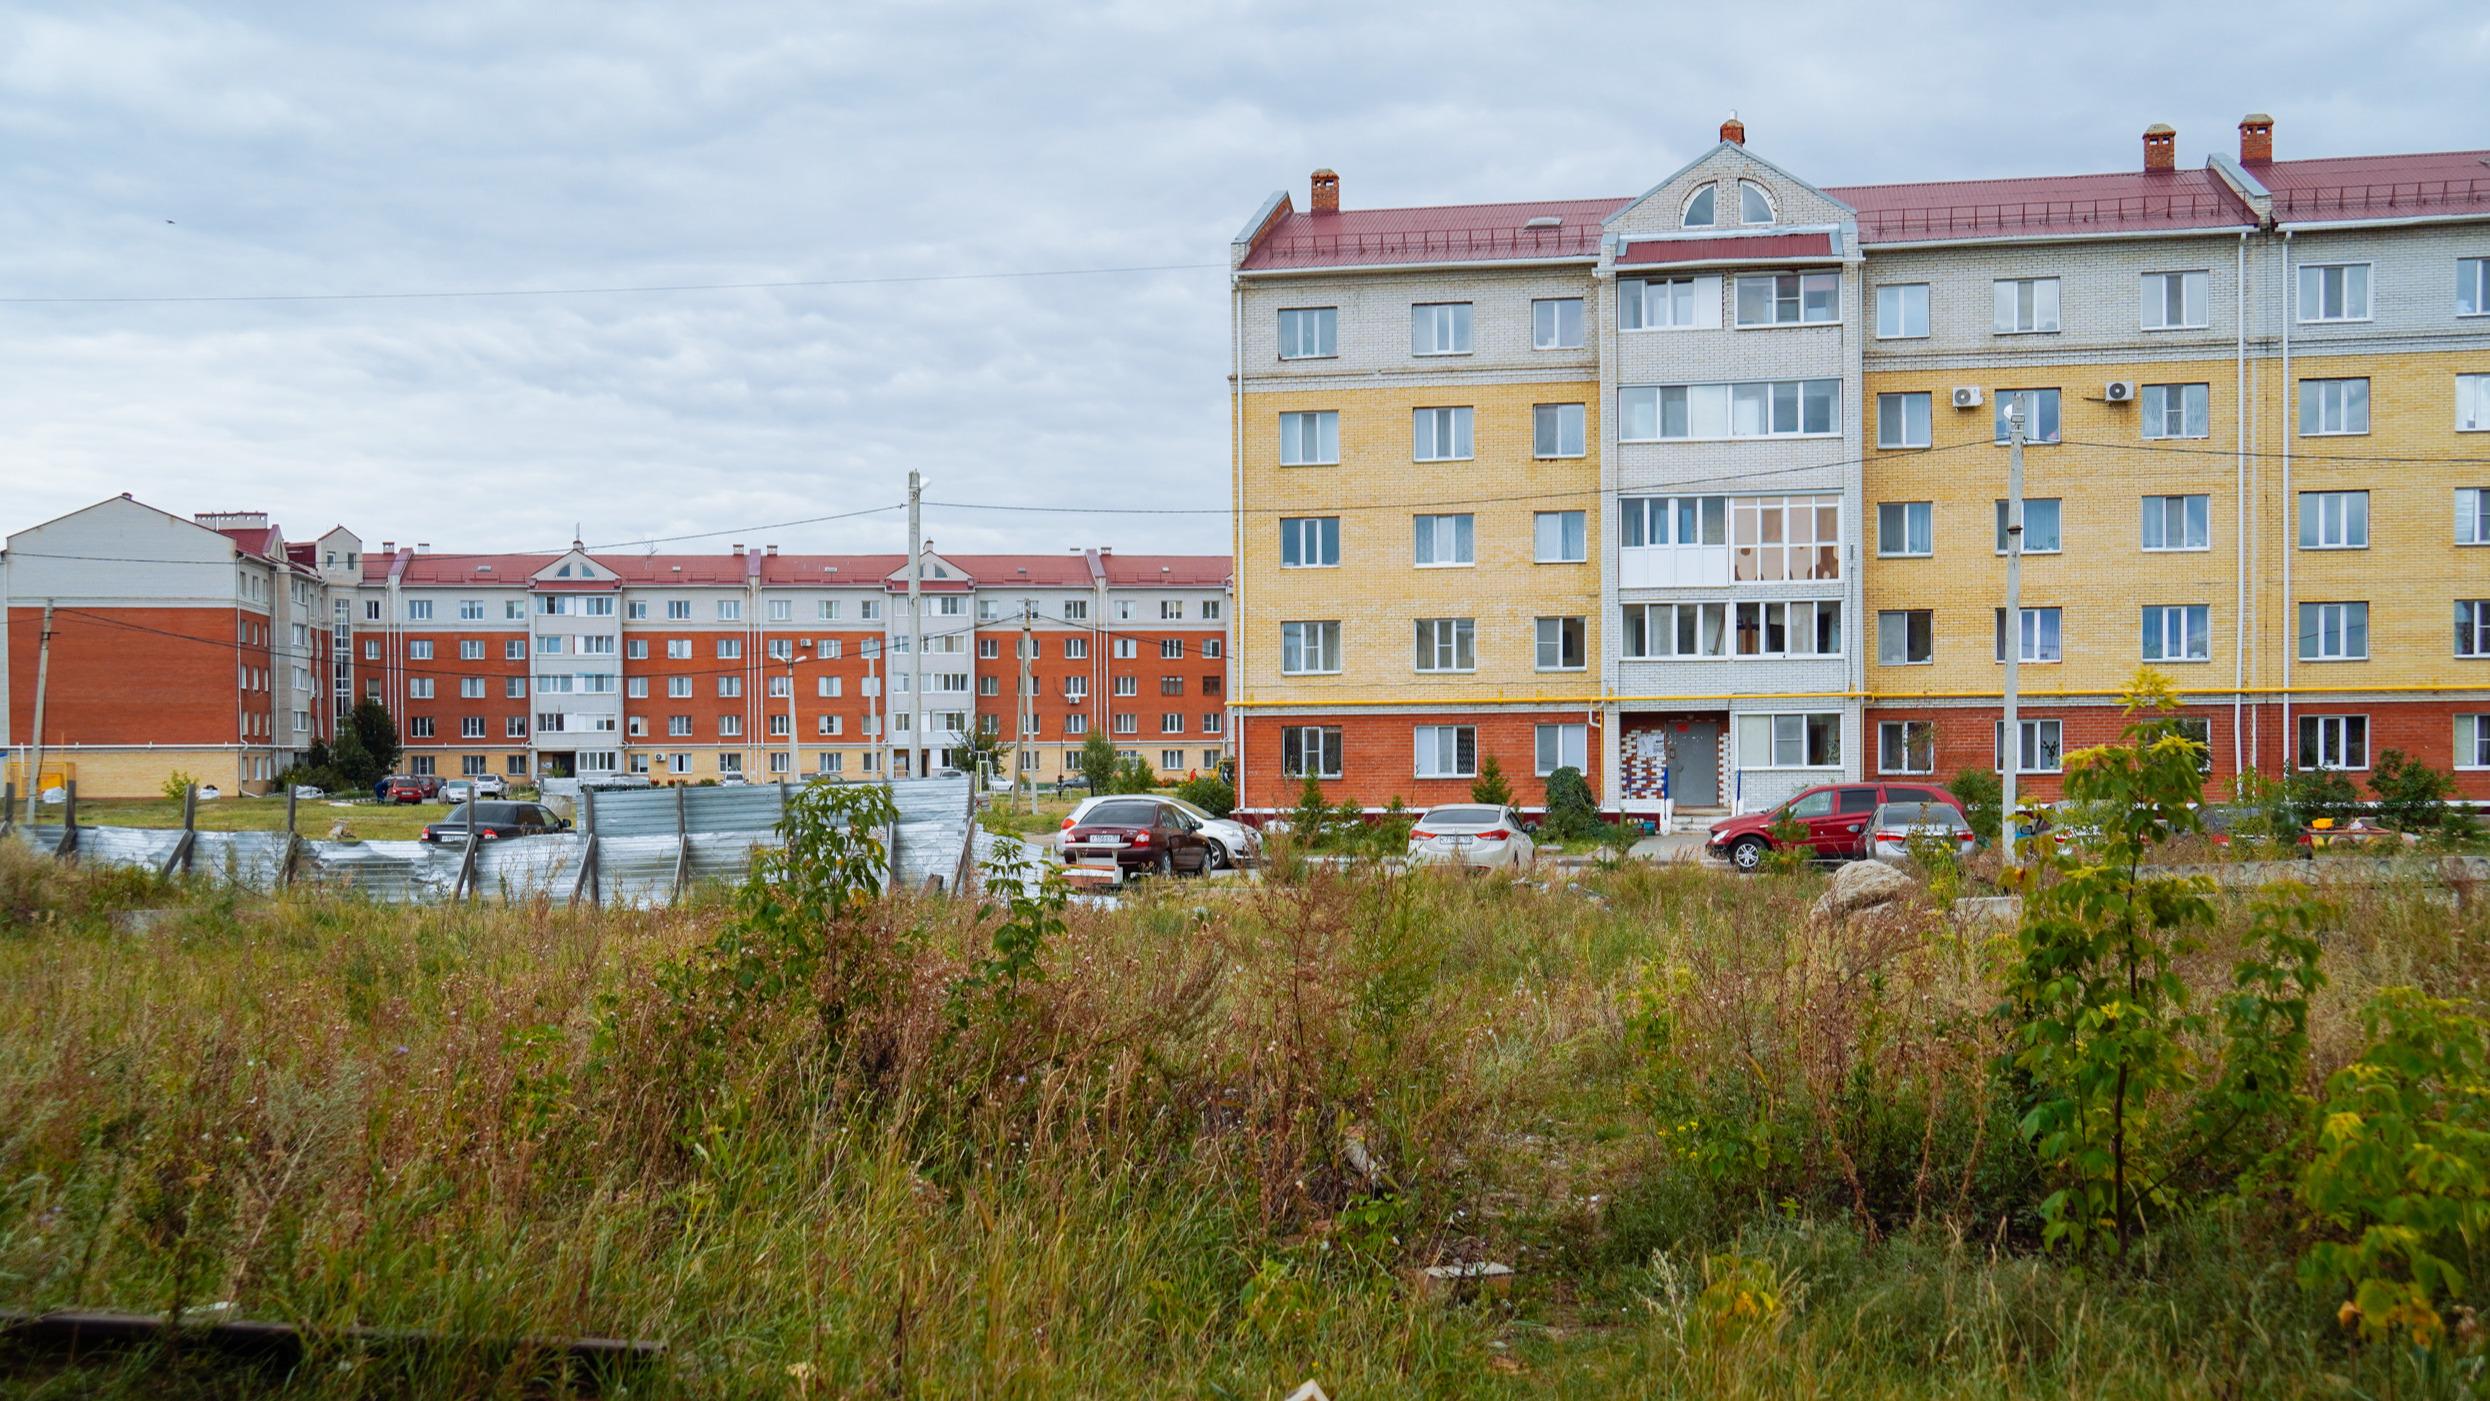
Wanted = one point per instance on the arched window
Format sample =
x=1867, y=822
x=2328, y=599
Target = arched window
x=1754, y=206
x=1699, y=212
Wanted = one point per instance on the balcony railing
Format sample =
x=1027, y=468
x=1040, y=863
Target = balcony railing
x=2022, y=216
x=1432, y=245
x=2384, y=201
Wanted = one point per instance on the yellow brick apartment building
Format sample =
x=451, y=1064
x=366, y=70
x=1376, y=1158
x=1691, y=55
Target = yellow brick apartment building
x=2258, y=400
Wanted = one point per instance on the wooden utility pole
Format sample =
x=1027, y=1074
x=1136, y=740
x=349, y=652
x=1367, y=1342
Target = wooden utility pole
x=43, y=682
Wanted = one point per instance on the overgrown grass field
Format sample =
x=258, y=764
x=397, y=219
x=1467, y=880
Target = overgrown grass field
x=828, y=1145
x=312, y=817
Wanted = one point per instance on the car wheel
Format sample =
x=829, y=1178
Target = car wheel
x=1217, y=858
x=1746, y=854
x=1163, y=865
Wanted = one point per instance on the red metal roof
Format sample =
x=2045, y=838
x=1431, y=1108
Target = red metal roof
x=1756, y=247
x=783, y=571
x=2378, y=187
x=2132, y=201
x=1445, y=233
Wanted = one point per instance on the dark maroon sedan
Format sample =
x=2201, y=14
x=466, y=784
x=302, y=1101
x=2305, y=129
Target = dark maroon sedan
x=1139, y=835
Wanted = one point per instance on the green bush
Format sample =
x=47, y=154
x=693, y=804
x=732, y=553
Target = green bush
x=2412, y=796
x=1489, y=786
x=1133, y=775
x=1098, y=763
x=2319, y=793
x=1983, y=796
x=177, y=785
x=1210, y=793
x=1572, y=815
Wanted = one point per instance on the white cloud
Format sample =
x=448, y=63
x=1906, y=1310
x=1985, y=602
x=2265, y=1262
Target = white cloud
x=336, y=148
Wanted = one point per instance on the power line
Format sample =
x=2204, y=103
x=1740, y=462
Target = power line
x=628, y=290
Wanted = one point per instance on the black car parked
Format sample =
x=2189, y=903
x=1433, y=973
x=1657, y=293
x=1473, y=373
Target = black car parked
x=496, y=822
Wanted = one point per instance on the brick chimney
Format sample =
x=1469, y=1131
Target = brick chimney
x=2161, y=147
x=2256, y=139
x=1326, y=191
x=1733, y=131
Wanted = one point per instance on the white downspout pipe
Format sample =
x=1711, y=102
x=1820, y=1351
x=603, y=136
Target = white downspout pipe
x=2288, y=740
x=2239, y=538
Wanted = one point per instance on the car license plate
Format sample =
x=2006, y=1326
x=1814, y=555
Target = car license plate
x=1460, y=843
x=1105, y=841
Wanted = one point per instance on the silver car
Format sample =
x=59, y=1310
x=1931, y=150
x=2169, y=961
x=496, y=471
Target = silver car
x=1892, y=827
x=1233, y=845
x=1473, y=835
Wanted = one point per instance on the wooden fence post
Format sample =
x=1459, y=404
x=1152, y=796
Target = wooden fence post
x=682, y=847
x=8, y=807
x=179, y=859
x=585, y=887
x=68, y=848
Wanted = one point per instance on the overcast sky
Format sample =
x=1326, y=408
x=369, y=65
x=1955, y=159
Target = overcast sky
x=186, y=151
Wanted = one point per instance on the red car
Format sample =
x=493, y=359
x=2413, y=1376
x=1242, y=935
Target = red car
x=1834, y=814
x=407, y=789
x=1140, y=834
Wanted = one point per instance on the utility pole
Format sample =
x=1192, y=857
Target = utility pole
x=2010, y=743
x=43, y=678
x=916, y=620
x=1022, y=703
x=795, y=654
x=873, y=709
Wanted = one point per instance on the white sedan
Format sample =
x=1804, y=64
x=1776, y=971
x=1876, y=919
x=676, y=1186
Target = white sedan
x=1473, y=835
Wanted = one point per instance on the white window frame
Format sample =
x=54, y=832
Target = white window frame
x=1722, y=404
x=1659, y=303
x=2195, y=297
x=1442, y=434
x=1888, y=405
x=2342, y=618
x=1325, y=321
x=2038, y=296
x=2472, y=742
x=2472, y=403
x=1794, y=292
x=2033, y=636
x=2040, y=733
x=2056, y=511
x=2472, y=628
x=1310, y=430
x=1440, y=328
x=1326, y=745
x=1315, y=647
x=2195, y=512
x=1921, y=513
x=1314, y=540
x=2340, y=503
x=2472, y=286
x=1547, y=323
x=1571, y=537
x=2177, y=633
x=1712, y=212
x=2315, y=407
x=2037, y=400
x=1771, y=206
x=1904, y=731
x=2195, y=405
x=1789, y=739
x=1884, y=657
x=1542, y=633
x=1443, y=541
x=2365, y=283
x=2335, y=736
x=1430, y=743
x=1901, y=305
x=1663, y=622
x=2472, y=515
x=1797, y=639
x=1444, y=646
x=1568, y=743
x=1559, y=430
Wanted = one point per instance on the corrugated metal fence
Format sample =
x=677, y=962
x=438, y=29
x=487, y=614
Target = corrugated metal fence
x=639, y=847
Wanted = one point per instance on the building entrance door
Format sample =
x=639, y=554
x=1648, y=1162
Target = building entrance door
x=1695, y=763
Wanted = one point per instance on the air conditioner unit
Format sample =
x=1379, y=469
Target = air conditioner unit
x=1967, y=396
x=2120, y=391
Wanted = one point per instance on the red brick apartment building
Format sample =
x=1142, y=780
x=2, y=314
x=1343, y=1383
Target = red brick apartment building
x=215, y=647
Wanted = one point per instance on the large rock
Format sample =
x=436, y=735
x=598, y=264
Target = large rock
x=1862, y=885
